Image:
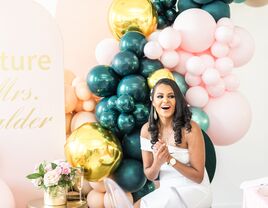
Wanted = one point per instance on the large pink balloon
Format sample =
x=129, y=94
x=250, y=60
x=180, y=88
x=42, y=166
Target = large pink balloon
x=197, y=29
x=83, y=25
x=6, y=196
x=242, y=53
x=229, y=118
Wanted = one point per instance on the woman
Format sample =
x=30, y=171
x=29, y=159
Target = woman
x=173, y=150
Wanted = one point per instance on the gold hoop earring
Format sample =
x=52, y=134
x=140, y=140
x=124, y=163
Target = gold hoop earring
x=155, y=114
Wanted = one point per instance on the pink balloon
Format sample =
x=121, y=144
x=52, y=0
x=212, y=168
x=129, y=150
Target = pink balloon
x=224, y=34
x=82, y=91
x=225, y=21
x=169, y=38
x=192, y=80
x=70, y=98
x=195, y=65
x=231, y=82
x=245, y=50
x=154, y=36
x=181, y=67
x=224, y=65
x=197, y=29
x=229, y=118
x=217, y=89
x=235, y=41
x=170, y=59
x=7, y=198
x=81, y=118
x=208, y=60
x=219, y=49
x=153, y=50
x=197, y=96
x=211, y=76
x=106, y=50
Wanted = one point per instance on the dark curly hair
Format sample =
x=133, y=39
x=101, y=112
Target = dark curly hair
x=182, y=114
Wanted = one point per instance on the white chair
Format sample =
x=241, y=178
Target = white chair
x=116, y=195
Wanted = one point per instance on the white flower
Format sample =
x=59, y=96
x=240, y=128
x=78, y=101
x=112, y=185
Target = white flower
x=37, y=182
x=52, y=177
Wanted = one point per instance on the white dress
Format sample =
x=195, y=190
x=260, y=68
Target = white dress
x=176, y=191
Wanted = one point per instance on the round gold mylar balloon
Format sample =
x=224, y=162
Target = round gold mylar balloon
x=132, y=15
x=256, y=3
x=94, y=148
x=157, y=75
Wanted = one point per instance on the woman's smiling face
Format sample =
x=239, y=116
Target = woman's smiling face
x=164, y=101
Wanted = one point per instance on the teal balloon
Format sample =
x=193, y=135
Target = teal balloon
x=200, y=117
x=101, y=107
x=133, y=41
x=228, y=1
x=131, y=145
x=202, y=1
x=171, y=15
x=126, y=122
x=135, y=86
x=187, y=4
x=108, y=119
x=159, y=7
x=129, y=175
x=141, y=114
x=125, y=103
x=146, y=189
x=179, y=79
x=148, y=66
x=239, y=1
x=211, y=160
x=218, y=9
x=111, y=104
x=162, y=22
x=168, y=4
x=125, y=63
x=102, y=81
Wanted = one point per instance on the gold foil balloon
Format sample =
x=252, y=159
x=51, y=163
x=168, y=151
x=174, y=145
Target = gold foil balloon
x=157, y=75
x=132, y=15
x=256, y=3
x=94, y=148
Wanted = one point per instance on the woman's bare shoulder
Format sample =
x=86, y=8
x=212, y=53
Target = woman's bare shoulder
x=144, y=131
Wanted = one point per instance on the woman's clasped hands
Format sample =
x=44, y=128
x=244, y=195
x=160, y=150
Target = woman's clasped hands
x=161, y=153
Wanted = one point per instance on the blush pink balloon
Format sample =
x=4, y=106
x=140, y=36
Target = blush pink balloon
x=219, y=49
x=81, y=118
x=235, y=41
x=224, y=34
x=192, y=80
x=231, y=82
x=106, y=50
x=197, y=96
x=208, y=60
x=224, y=65
x=197, y=28
x=7, y=198
x=153, y=50
x=217, y=89
x=95, y=199
x=169, y=38
x=70, y=98
x=245, y=50
x=170, y=59
x=195, y=65
x=181, y=67
x=229, y=118
x=82, y=91
x=211, y=76
x=154, y=36
x=225, y=21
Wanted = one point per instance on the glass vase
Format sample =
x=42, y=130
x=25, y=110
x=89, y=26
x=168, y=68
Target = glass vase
x=55, y=196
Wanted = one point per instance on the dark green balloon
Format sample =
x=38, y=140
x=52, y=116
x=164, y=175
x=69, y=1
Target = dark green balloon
x=187, y=4
x=202, y=1
x=125, y=63
x=102, y=80
x=168, y=4
x=133, y=41
x=148, y=66
x=130, y=176
x=126, y=122
x=179, y=79
x=125, y=103
x=111, y=104
x=171, y=15
x=217, y=9
x=200, y=117
x=230, y=1
x=146, y=189
x=135, y=86
x=132, y=146
x=101, y=107
x=108, y=119
x=159, y=8
x=141, y=114
x=162, y=22
x=210, y=157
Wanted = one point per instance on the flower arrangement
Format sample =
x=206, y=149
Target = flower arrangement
x=52, y=175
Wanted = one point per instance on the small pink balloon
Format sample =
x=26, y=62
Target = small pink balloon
x=225, y=21
x=208, y=60
x=197, y=96
x=70, y=98
x=224, y=34
x=81, y=118
x=153, y=50
x=169, y=38
x=154, y=36
x=181, y=67
x=245, y=50
x=95, y=199
x=197, y=28
x=89, y=105
x=170, y=59
x=217, y=89
x=219, y=50
x=7, y=198
x=78, y=80
x=98, y=186
x=82, y=91
x=224, y=66
x=231, y=82
x=235, y=41
x=192, y=80
x=106, y=50
x=211, y=76
x=229, y=118
x=195, y=65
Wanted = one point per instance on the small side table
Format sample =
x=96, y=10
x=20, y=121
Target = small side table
x=39, y=203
